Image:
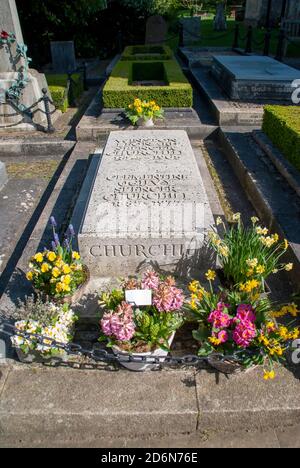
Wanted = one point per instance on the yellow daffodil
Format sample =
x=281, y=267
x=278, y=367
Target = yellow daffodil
x=254, y=220
x=262, y=231
x=194, y=286
x=269, y=375
x=236, y=217
x=211, y=275
x=260, y=269
x=252, y=263
x=285, y=244
x=289, y=266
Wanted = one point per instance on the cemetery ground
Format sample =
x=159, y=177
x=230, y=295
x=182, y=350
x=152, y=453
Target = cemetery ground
x=218, y=154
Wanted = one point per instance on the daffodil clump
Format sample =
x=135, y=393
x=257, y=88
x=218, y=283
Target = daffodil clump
x=240, y=324
x=248, y=255
x=57, y=272
x=43, y=319
x=143, y=110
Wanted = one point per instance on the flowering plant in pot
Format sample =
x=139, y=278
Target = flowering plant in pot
x=142, y=330
x=144, y=112
x=248, y=255
x=58, y=273
x=238, y=330
x=44, y=319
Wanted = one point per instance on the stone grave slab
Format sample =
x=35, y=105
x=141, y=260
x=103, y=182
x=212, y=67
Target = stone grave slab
x=254, y=77
x=147, y=205
x=156, y=30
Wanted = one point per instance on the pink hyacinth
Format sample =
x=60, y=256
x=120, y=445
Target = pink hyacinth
x=244, y=334
x=246, y=313
x=150, y=280
x=119, y=324
x=168, y=298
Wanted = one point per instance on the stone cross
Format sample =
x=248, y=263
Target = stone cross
x=220, y=18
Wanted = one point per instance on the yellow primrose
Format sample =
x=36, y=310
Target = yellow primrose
x=55, y=272
x=66, y=279
x=29, y=275
x=51, y=256
x=59, y=287
x=66, y=269
x=38, y=257
x=269, y=375
x=45, y=267
x=214, y=341
x=75, y=255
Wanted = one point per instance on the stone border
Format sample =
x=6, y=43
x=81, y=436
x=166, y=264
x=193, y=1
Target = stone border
x=3, y=175
x=286, y=169
x=18, y=146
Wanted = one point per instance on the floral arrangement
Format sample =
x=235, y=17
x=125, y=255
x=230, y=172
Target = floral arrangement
x=46, y=319
x=147, y=328
x=146, y=110
x=57, y=272
x=235, y=323
x=248, y=255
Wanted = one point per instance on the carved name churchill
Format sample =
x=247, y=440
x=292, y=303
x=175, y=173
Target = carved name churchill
x=146, y=182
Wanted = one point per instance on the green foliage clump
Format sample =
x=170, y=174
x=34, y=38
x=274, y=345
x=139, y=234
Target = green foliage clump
x=150, y=7
x=119, y=92
x=282, y=125
x=59, y=97
x=58, y=88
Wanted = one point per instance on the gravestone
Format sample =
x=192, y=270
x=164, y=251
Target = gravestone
x=156, y=30
x=147, y=205
x=254, y=78
x=256, y=11
x=9, y=66
x=3, y=175
x=220, y=18
x=63, y=56
x=191, y=30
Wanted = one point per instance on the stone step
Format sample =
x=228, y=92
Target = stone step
x=61, y=403
x=34, y=148
x=274, y=199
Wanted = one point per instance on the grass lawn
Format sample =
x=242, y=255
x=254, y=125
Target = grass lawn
x=211, y=38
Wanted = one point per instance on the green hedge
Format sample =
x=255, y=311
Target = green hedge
x=58, y=87
x=282, y=125
x=147, y=52
x=118, y=91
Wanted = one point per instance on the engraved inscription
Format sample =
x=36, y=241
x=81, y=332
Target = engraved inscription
x=146, y=149
x=140, y=250
x=156, y=188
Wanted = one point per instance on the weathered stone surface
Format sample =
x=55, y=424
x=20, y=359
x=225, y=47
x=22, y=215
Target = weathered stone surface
x=254, y=78
x=3, y=175
x=66, y=402
x=148, y=204
x=191, y=30
x=156, y=30
x=63, y=56
x=9, y=22
x=220, y=18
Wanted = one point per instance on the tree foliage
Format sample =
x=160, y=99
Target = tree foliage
x=150, y=7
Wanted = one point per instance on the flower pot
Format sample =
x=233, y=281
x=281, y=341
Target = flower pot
x=227, y=366
x=36, y=356
x=140, y=367
x=145, y=123
x=71, y=298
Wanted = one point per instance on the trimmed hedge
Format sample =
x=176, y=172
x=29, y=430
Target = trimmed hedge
x=118, y=91
x=282, y=125
x=150, y=52
x=58, y=88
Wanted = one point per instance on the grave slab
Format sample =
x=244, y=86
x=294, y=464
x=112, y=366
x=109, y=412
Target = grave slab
x=147, y=205
x=254, y=77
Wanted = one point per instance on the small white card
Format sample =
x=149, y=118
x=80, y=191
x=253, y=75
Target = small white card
x=139, y=297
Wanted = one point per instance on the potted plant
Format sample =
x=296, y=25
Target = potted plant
x=146, y=328
x=248, y=255
x=143, y=113
x=238, y=330
x=44, y=319
x=58, y=273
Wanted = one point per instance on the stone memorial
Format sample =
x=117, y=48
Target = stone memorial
x=156, y=30
x=254, y=78
x=63, y=56
x=220, y=18
x=256, y=12
x=9, y=73
x=191, y=30
x=147, y=205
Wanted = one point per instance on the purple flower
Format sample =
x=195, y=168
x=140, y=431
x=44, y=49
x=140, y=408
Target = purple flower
x=71, y=230
x=56, y=240
x=53, y=245
x=53, y=222
x=66, y=243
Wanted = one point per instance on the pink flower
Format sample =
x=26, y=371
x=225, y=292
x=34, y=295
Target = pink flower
x=150, y=280
x=244, y=333
x=168, y=298
x=219, y=319
x=223, y=336
x=245, y=312
x=119, y=324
